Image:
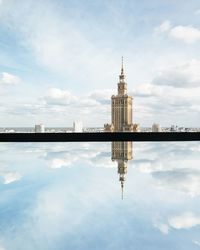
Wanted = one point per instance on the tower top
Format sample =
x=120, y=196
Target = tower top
x=122, y=76
x=122, y=68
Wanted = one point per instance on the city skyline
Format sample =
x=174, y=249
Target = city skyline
x=59, y=61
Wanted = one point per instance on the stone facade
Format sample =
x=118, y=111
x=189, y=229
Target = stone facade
x=121, y=109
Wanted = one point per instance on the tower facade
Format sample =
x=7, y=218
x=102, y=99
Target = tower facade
x=121, y=109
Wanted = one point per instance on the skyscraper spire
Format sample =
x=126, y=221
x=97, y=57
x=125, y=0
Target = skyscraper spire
x=122, y=76
x=122, y=68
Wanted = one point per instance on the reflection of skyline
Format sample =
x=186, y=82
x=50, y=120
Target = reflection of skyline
x=48, y=206
x=122, y=153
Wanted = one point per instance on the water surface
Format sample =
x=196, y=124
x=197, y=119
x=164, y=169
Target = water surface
x=69, y=196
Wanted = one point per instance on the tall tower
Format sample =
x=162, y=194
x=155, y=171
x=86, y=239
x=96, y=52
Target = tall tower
x=121, y=108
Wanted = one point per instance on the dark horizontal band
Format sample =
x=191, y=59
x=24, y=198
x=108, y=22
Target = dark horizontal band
x=95, y=137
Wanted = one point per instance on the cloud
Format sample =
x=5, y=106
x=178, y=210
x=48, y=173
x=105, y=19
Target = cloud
x=187, y=34
x=9, y=79
x=56, y=96
x=185, y=75
x=62, y=103
x=102, y=96
x=61, y=44
x=164, y=27
x=146, y=90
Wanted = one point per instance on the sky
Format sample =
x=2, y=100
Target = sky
x=60, y=61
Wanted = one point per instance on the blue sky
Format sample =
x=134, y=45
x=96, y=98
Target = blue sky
x=60, y=61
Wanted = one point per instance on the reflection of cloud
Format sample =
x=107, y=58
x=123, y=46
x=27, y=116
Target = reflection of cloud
x=183, y=221
x=9, y=79
x=102, y=160
x=184, y=180
x=196, y=242
x=93, y=158
x=60, y=159
x=164, y=228
x=87, y=201
x=58, y=163
x=168, y=168
x=11, y=177
x=86, y=153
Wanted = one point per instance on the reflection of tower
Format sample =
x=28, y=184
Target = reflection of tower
x=122, y=152
x=121, y=109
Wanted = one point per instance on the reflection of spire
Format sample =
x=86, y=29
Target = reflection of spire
x=121, y=153
x=122, y=188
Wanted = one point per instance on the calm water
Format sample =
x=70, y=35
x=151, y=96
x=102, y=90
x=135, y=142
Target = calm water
x=68, y=196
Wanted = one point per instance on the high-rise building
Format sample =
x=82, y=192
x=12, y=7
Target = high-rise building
x=122, y=153
x=121, y=109
x=156, y=127
x=77, y=126
x=39, y=128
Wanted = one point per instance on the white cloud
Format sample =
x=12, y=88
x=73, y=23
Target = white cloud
x=187, y=34
x=165, y=26
x=59, y=97
x=68, y=49
x=102, y=95
x=60, y=44
x=9, y=79
x=146, y=90
x=184, y=221
x=185, y=75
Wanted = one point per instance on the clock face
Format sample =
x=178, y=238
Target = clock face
x=121, y=87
